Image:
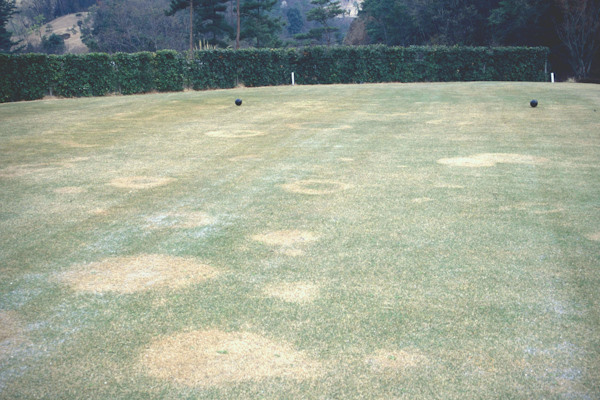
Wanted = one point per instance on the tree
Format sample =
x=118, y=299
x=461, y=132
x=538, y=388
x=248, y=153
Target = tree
x=322, y=13
x=134, y=25
x=209, y=19
x=54, y=44
x=7, y=9
x=295, y=21
x=258, y=24
x=519, y=22
x=579, y=31
x=64, y=7
x=389, y=22
x=422, y=22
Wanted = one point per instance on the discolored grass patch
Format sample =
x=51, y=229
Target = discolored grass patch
x=288, y=241
x=491, y=159
x=134, y=274
x=215, y=358
x=11, y=333
x=245, y=157
x=235, y=134
x=69, y=190
x=184, y=220
x=73, y=144
x=17, y=171
x=140, y=182
x=419, y=200
x=315, y=186
x=594, y=236
x=292, y=292
x=286, y=237
x=10, y=326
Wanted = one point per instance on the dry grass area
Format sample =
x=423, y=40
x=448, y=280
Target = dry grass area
x=398, y=241
x=316, y=186
x=65, y=25
x=133, y=274
x=10, y=327
x=214, y=358
x=292, y=292
x=140, y=182
x=288, y=242
x=594, y=236
x=491, y=159
x=286, y=238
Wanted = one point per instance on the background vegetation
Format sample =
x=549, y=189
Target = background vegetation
x=31, y=76
x=570, y=28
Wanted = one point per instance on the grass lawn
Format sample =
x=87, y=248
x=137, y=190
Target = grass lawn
x=384, y=241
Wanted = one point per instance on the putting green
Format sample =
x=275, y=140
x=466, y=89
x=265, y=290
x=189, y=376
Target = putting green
x=370, y=241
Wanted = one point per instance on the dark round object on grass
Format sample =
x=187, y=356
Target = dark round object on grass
x=238, y=102
x=533, y=103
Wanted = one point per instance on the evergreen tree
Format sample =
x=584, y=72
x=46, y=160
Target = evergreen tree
x=258, y=24
x=322, y=13
x=295, y=21
x=54, y=44
x=7, y=9
x=209, y=19
x=389, y=22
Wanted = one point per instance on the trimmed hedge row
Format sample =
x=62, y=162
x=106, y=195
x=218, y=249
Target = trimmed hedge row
x=32, y=76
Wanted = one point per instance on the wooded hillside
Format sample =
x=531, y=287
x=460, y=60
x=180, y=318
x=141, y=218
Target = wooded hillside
x=570, y=28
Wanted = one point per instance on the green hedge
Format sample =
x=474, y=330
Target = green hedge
x=32, y=76
x=134, y=72
x=83, y=75
x=25, y=77
x=169, y=70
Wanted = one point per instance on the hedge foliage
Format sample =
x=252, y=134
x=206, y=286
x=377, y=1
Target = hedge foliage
x=32, y=76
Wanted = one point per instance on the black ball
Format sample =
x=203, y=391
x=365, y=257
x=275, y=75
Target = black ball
x=238, y=102
x=533, y=103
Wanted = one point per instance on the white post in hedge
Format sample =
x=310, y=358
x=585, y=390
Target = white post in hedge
x=293, y=79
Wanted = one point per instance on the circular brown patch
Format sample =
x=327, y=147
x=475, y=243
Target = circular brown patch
x=449, y=186
x=245, y=157
x=235, y=134
x=74, y=144
x=292, y=292
x=316, y=186
x=196, y=219
x=491, y=159
x=69, y=190
x=140, y=182
x=421, y=200
x=17, y=171
x=10, y=327
x=213, y=358
x=594, y=236
x=133, y=274
x=11, y=333
x=286, y=238
x=99, y=211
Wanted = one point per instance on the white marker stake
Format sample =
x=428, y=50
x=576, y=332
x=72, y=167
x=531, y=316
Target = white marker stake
x=552, y=77
x=292, y=79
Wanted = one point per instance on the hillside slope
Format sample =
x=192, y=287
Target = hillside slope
x=65, y=26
